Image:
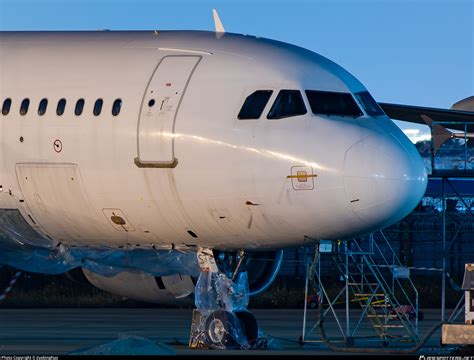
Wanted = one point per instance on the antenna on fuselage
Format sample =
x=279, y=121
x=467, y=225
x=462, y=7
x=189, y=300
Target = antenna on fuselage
x=220, y=31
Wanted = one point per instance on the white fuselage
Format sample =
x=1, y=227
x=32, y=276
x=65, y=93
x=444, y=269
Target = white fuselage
x=187, y=165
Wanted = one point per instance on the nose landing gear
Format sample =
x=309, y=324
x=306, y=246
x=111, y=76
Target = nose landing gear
x=221, y=320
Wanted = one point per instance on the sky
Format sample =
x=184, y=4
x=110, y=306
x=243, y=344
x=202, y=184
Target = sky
x=417, y=52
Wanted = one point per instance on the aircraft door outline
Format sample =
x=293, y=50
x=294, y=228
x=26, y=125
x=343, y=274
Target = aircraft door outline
x=159, y=110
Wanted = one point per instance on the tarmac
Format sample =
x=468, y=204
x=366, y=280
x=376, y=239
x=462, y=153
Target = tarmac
x=62, y=331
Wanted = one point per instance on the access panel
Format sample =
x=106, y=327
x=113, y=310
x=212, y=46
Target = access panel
x=56, y=197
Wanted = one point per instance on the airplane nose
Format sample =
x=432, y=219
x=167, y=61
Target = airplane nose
x=385, y=178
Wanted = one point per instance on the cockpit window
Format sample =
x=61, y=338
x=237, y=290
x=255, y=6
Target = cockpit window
x=332, y=103
x=254, y=105
x=370, y=105
x=288, y=103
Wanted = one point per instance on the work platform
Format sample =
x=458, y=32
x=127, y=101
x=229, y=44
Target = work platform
x=360, y=274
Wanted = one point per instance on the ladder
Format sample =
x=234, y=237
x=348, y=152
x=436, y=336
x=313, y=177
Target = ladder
x=368, y=268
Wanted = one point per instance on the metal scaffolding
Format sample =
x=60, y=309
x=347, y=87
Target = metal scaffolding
x=375, y=289
x=451, y=158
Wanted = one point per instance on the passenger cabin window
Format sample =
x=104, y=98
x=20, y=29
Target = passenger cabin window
x=25, y=104
x=61, y=106
x=332, y=103
x=369, y=104
x=98, y=107
x=288, y=103
x=42, y=107
x=79, y=107
x=116, y=107
x=7, y=104
x=254, y=105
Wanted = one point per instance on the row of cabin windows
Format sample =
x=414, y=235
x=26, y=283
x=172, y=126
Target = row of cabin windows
x=290, y=103
x=61, y=107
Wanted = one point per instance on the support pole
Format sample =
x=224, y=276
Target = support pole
x=303, y=335
x=348, y=334
x=443, y=273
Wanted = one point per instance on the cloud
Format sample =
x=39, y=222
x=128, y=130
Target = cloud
x=416, y=135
